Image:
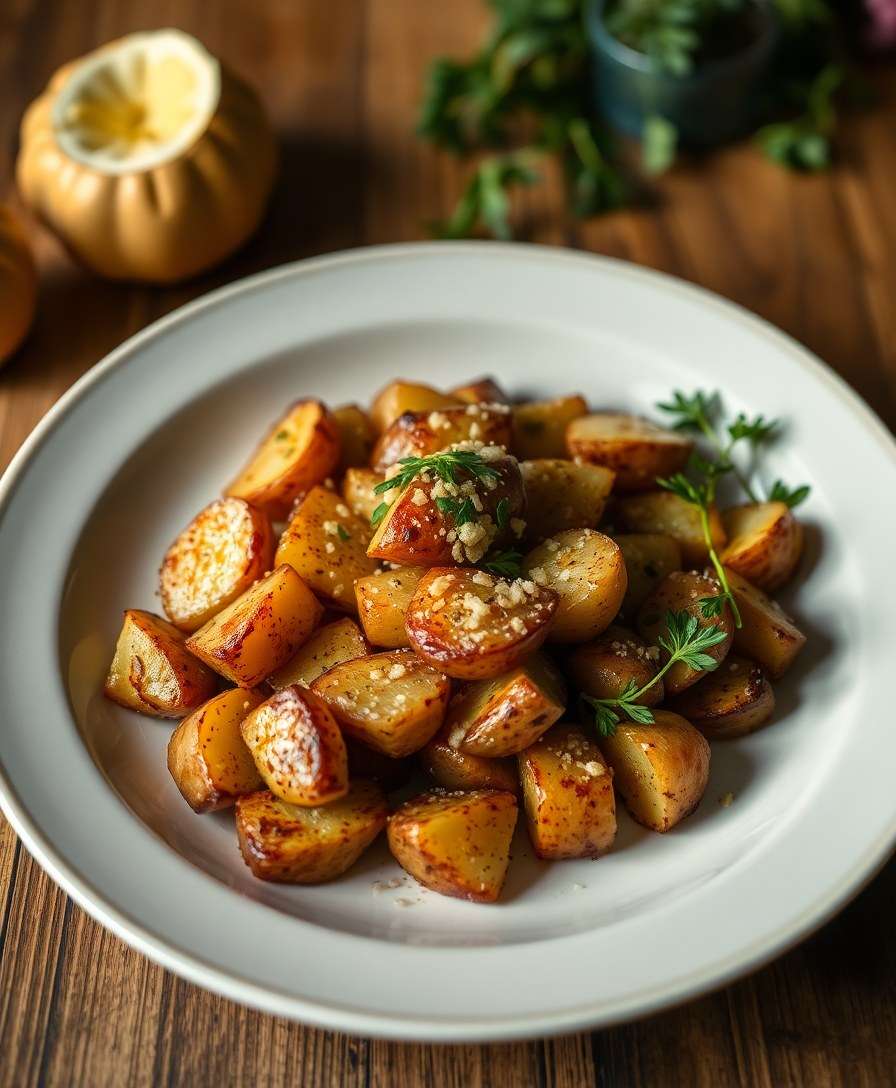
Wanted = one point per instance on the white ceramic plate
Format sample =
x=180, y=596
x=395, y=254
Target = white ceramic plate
x=149, y=435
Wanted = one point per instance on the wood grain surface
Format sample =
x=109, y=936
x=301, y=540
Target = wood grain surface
x=815, y=255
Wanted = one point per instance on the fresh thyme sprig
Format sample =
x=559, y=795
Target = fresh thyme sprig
x=446, y=466
x=685, y=640
x=504, y=564
x=780, y=492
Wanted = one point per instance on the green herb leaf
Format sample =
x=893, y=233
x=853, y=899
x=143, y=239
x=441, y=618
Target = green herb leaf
x=343, y=532
x=502, y=513
x=379, y=513
x=446, y=465
x=780, y=492
x=659, y=143
x=460, y=511
x=756, y=431
x=504, y=564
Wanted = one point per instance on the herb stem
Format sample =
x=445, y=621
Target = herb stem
x=717, y=564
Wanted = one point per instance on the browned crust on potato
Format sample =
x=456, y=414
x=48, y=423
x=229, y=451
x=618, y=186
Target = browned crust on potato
x=637, y=456
x=766, y=557
x=733, y=701
x=768, y=635
x=604, y=667
x=481, y=391
x=455, y=770
x=418, y=434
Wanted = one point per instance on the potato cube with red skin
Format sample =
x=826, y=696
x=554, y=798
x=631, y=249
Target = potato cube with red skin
x=636, y=449
x=418, y=434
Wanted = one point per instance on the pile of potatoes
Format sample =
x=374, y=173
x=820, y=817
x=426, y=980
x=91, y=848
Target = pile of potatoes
x=321, y=664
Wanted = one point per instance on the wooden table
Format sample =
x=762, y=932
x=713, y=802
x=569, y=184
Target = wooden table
x=814, y=255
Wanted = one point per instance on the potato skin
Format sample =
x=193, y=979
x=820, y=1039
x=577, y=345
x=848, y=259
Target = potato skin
x=636, y=449
x=288, y=844
x=568, y=795
x=400, y=397
x=649, y=557
x=357, y=490
x=731, y=702
x=604, y=668
x=223, y=550
x=765, y=542
x=383, y=600
x=664, y=512
x=768, y=636
x=481, y=391
x=356, y=436
x=329, y=645
x=457, y=844
x=563, y=495
x=418, y=434
x=455, y=770
x=540, y=426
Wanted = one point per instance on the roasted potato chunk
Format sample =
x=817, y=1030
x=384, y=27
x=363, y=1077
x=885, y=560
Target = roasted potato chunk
x=504, y=715
x=457, y=770
x=383, y=600
x=299, y=451
x=563, y=495
x=400, y=397
x=765, y=542
x=649, y=557
x=568, y=795
x=768, y=636
x=223, y=550
x=482, y=391
x=329, y=645
x=291, y=844
x=660, y=770
x=635, y=449
x=207, y=756
x=356, y=436
x=326, y=544
x=153, y=670
x=682, y=591
x=472, y=625
x=540, y=426
x=605, y=667
x=418, y=434
x=393, y=702
x=663, y=512
x=456, y=844
x=734, y=700
x=260, y=630
x=587, y=572
x=358, y=491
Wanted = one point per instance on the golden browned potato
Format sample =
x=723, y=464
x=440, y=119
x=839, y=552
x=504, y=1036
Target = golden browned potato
x=540, y=426
x=482, y=391
x=682, y=591
x=358, y=491
x=457, y=770
x=393, y=702
x=563, y=495
x=297, y=747
x=418, y=434
x=635, y=449
x=765, y=542
x=383, y=600
x=419, y=529
x=605, y=667
x=329, y=645
x=472, y=625
x=568, y=795
x=260, y=630
x=207, y=756
x=504, y=715
x=768, y=636
x=291, y=844
x=327, y=545
x=660, y=770
x=299, y=451
x=400, y=397
x=154, y=672
x=664, y=512
x=356, y=434
x=649, y=557
x=223, y=550
x=455, y=843
x=587, y=572
x=734, y=700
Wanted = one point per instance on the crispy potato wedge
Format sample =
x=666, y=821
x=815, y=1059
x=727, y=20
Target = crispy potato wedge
x=299, y=451
x=682, y=591
x=663, y=512
x=356, y=436
x=260, y=631
x=416, y=532
x=649, y=557
x=768, y=636
x=223, y=550
x=290, y=844
x=393, y=702
x=765, y=542
x=635, y=449
x=457, y=844
x=587, y=572
x=472, y=625
x=540, y=426
x=383, y=600
x=660, y=770
x=568, y=795
x=503, y=715
x=153, y=670
x=482, y=391
x=207, y=756
x=418, y=434
x=605, y=667
x=297, y=747
x=326, y=544
x=563, y=495
x=734, y=700
x=329, y=645
x=400, y=397
x=364, y=762
x=358, y=491
x=455, y=770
